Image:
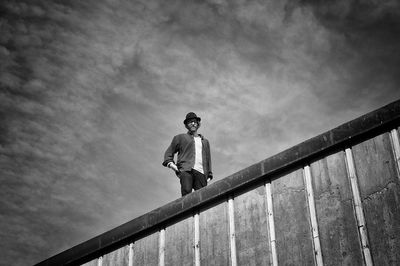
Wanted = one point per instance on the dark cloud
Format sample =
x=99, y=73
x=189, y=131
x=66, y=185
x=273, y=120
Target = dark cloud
x=364, y=53
x=91, y=93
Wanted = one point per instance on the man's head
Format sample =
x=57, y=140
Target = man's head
x=192, y=122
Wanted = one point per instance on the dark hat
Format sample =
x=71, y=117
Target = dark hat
x=191, y=115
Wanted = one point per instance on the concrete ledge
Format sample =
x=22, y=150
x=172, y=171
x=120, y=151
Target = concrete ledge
x=348, y=134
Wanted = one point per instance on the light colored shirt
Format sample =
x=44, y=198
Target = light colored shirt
x=198, y=161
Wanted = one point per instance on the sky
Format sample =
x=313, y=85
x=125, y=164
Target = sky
x=92, y=92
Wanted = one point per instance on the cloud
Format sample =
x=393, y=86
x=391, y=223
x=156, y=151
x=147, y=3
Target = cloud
x=92, y=93
x=363, y=38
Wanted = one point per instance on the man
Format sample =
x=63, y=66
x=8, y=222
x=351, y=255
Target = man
x=193, y=166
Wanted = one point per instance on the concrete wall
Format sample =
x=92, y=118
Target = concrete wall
x=332, y=200
x=337, y=224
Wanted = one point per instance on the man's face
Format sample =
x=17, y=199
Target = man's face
x=192, y=125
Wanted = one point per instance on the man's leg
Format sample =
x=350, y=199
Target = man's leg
x=199, y=180
x=186, y=182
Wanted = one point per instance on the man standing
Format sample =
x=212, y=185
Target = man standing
x=193, y=166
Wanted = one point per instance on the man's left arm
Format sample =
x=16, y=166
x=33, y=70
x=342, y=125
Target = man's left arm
x=208, y=152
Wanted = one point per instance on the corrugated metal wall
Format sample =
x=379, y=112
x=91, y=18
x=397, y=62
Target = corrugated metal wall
x=341, y=209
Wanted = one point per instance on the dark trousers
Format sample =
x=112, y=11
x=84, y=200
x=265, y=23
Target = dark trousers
x=192, y=180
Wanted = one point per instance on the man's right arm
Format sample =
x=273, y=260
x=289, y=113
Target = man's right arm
x=170, y=152
x=169, y=155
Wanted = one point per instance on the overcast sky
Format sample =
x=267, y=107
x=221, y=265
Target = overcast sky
x=92, y=92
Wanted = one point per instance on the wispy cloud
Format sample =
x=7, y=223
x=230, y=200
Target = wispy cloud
x=92, y=92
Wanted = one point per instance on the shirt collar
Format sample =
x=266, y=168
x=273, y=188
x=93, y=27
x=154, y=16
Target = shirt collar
x=201, y=136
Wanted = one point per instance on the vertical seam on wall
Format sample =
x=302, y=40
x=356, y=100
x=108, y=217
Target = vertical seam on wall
x=161, y=254
x=100, y=261
x=394, y=140
x=130, y=256
x=196, y=239
x=232, y=236
x=271, y=224
x=351, y=172
x=313, y=216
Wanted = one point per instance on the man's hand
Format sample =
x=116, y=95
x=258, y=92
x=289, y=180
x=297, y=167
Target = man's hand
x=173, y=167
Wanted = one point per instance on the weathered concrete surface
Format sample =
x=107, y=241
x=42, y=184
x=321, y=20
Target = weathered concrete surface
x=91, y=263
x=251, y=228
x=338, y=230
x=348, y=134
x=214, y=236
x=293, y=230
x=179, y=241
x=380, y=193
x=118, y=257
x=145, y=250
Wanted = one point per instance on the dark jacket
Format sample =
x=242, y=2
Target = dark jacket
x=183, y=144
